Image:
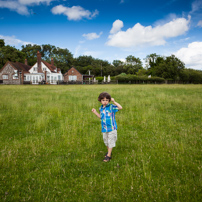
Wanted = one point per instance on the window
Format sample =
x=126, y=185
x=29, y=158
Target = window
x=5, y=76
x=15, y=76
x=72, y=78
x=35, y=69
x=33, y=79
x=58, y=77
x=44, y=69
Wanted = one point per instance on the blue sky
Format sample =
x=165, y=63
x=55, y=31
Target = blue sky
x=107, y=29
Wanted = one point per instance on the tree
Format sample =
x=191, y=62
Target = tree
x=173, y=67
x=47, y=51
x=133, y=64
x=165, y=67
x=151, y=59
x=9, y=53
x=63, y=59
x=142, y=72
x=191, y=76
x=2, y=43
x=83, y=61
x=30, y=52
x=117, y=63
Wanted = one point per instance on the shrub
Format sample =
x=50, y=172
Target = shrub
x=138, y=79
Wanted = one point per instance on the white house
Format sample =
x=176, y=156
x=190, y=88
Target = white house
x=43, y=71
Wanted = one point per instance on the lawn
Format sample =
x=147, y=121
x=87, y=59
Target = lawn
x=52, y=149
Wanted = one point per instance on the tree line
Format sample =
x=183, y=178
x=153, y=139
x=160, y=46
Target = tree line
x=169, y=68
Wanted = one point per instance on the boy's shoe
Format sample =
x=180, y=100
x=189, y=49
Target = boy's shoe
x=107, y=153
x=107, y=159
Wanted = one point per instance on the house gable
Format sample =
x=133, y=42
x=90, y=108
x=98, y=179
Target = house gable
x=73, y=71
x=45, y=66
x=10, y=73
x=73, y=74
x=34, y=68
x=7, y=68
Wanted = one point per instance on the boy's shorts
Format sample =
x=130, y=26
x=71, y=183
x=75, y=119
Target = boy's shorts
x=110, y=138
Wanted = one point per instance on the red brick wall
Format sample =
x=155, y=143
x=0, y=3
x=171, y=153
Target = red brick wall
x=73, y=72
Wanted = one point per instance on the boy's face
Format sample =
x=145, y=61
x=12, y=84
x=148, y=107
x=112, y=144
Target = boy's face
x=105, y=101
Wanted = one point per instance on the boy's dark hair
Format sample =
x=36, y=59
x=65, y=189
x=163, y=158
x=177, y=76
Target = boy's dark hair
x=104, y=95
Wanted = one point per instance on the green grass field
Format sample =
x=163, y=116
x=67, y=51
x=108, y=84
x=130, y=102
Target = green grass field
x=52, y=149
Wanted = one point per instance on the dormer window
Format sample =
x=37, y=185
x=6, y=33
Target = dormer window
x=35, y=69
x=44, y=69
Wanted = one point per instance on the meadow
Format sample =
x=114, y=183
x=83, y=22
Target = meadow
x=52, y=148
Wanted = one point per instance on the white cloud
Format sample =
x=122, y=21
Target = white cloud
x=196, y=5
x=77, y=51
x=116, y=27
x=191, y=56
x=28, y=2
x=139, y=35
x=20, y=6
x=199, y=23
x=92, y=36
x=12, y=41
x=15, y=6
x=74, y=13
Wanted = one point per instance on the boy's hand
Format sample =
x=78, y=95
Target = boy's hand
x=93, y=110
x=112, y=99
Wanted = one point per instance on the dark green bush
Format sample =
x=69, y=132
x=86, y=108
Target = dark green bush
x=138, y=79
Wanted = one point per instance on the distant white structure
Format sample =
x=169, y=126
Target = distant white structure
x=108, y=78
x=104, y=78
x=149, y=76
x=130, y=63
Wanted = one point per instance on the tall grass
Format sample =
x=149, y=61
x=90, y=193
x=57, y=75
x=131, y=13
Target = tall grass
x=52, y=149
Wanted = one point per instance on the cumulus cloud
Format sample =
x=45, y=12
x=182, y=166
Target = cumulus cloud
x=199, y=23
x=139, y=35
x=15, y=6
x=91, y=36
x=12, y=41
x=74, y=13
x=191, y=55
x=117, y=25
x=20, y=6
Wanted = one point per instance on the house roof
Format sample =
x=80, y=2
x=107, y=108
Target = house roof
x=75, y=69
x=19, y=66
x=86, y=75
x=51, y=67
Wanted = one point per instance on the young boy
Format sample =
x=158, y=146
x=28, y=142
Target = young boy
x=108, y=122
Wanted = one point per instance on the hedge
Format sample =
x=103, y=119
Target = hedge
x=138, y=79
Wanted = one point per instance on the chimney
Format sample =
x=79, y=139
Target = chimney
x=39, y=61
x=25, y=61
x=52, y=62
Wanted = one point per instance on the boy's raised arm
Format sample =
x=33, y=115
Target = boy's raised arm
x=116, y=103
x=96, y=113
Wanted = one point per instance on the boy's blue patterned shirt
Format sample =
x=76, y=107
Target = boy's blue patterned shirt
x=108, y=120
